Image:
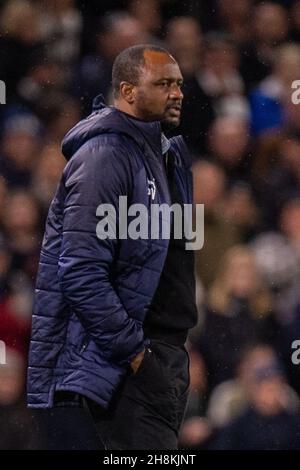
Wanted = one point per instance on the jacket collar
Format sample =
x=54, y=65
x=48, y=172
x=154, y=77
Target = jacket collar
x=143, y=130
x=165, y=144
x=109, y=120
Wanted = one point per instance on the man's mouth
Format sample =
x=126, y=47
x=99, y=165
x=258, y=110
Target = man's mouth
x=175, y=110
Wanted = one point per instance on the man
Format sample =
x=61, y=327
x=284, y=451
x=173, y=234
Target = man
x=111, y=315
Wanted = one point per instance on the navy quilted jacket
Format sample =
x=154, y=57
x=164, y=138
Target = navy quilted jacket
x=92, y=295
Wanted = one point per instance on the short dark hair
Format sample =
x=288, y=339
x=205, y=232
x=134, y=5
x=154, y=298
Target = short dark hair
x=128, y=64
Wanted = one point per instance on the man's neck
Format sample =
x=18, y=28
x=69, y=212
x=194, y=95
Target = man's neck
x=126, y=108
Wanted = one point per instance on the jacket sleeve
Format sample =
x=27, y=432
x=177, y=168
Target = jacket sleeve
x=96, y=174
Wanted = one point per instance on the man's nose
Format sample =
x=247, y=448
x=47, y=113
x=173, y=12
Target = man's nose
x=176, y=93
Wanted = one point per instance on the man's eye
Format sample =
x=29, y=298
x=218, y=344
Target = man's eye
x=165, y=84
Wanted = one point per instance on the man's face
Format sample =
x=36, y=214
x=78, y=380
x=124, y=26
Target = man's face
x=158, y=95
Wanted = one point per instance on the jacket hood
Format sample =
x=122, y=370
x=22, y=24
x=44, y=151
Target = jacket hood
x=109, y=120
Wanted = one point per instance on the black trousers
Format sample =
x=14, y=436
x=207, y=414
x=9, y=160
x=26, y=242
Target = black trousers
x=149, y=406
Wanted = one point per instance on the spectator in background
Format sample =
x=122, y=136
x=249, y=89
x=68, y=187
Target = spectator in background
x=233, y=17
x=195, y=433
x=59, y=113
x=269, y=29
x=148, y=15
x=44, y=77
x=229, y=147
x=240, y=208
x=278, y=261
x=288, y=301
x=295, y=20
x=281, y=181
x=14, y=329
x=271, y=421
x=20, y=145
x=46, y=175
x=232, y=397
x=236, y=314
x=3, y=192
x=271, y=101
x=20, y=41
x=196, y=429
x=21, y=228
x=220, y=78
x=19, y=429
x=184, y=39
x=117, y=31
x=290, y=224
x=220, y=233
x=61, y=25
x=276, y=258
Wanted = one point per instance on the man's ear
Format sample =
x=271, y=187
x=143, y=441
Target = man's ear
x=127, y=92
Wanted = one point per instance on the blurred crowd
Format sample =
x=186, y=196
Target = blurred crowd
x=239, y=60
